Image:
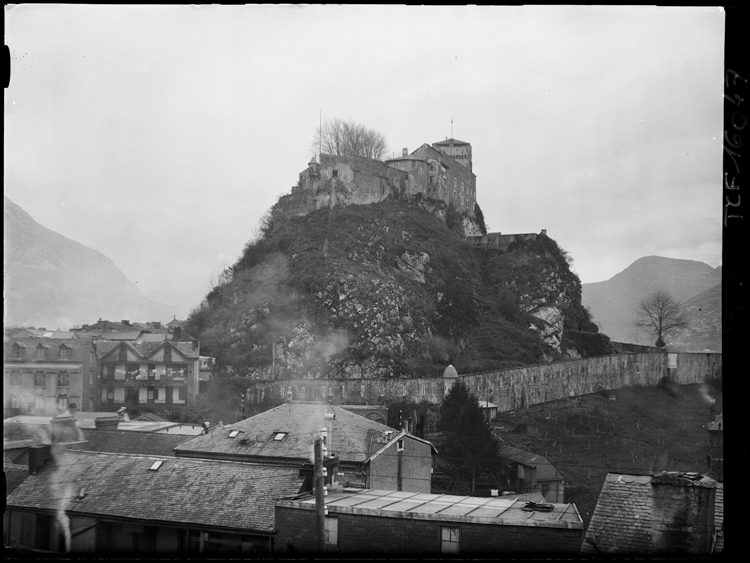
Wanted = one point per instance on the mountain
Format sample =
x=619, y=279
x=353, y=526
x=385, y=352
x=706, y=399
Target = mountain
x=390, y=289
x=613, y=303
x=704, y=322
x=55, y=282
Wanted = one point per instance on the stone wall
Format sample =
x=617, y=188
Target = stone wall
x=499, y=241
x=509, y=389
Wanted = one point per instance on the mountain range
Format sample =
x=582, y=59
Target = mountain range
x=54, y=282
x=613, y=303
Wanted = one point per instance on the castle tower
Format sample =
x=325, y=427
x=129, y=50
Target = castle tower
x=458, y=150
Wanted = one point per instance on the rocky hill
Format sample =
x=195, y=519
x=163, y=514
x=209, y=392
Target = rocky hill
x=613, y=303
x=55, y=282
x=389, y=289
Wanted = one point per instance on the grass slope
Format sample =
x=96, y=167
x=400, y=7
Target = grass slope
x=640, y=430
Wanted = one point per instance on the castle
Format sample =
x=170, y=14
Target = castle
x=441, y=171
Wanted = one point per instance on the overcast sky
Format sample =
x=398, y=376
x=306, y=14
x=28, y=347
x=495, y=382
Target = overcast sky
x=160, y=135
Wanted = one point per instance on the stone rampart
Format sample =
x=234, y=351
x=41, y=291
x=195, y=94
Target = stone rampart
x=510, y=389
x=499, y=241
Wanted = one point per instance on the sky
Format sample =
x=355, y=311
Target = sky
x=160, y=135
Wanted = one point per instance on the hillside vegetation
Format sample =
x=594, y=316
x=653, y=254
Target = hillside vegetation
x=629, y=430
x=388, y=289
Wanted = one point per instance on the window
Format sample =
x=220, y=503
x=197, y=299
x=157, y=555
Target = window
x=122, y=355
x=17, y=351
x=64, y=352
x=150, y=393
x=15, y=378
x=63, y=379
x=62, y=402
x=332, y=531
x=120, y=372
x=334, y=173
x=279, y=436
x=119, y=394
x=151, y=370
x=110, y=370
x=423, y=390
x=281, y=391
x=40, y=379
x=449, y=539
x=143, y=395
x=39, y=404
x=167, y=353
x=133, y=370
x=400, y=445
x=40, y=352
x=161, y=395
x=179, y=394
x=362, y=391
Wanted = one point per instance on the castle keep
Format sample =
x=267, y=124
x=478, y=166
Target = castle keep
x=441, y=171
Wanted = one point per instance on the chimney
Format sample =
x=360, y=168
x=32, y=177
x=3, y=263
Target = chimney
x=289, y=395
x=122, y=415
x=63, y=428
x=544, y=232
x=404, y=152
x=72, y=408
x=125, y=322
x=682, y=512
x=38, y=457
x=106, y=422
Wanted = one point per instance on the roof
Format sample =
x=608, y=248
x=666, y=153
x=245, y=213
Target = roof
x=449, y=142
x=149, y=417
x=544, y=468
x=717, y=425
x=14, y=476
x=147, y=348
x=621, y=522
x=79, y=347
x=121, y=442
x=301, y=421
x=486, y=405
x=502, y=511
x=185, y=491
x=396, y=436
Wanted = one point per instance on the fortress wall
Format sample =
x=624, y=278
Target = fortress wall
x=509, y=389
x=498, y=241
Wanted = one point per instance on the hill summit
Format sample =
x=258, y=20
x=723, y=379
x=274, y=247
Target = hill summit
x=389, y=289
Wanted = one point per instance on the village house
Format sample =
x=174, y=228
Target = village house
x=391, y=522
x=42, y=376
x=141, y=375
x=531, y=473
x=117, y=503
x=370, y=453
x=667, y=513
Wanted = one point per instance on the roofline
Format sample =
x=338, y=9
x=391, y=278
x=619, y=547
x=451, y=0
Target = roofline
x=136, y=519
x=395, y=439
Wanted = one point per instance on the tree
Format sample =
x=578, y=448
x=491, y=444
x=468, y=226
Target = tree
x=660, y=314
x=468, y=444
x=348, y=138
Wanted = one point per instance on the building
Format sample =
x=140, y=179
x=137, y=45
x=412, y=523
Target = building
x=142, y=375
x=42, y=376
x=391, y=522
x=716, y=447
x=100, y=502
x=370, y=454
x=441, y=171
x=670, y=512
x=534, y=473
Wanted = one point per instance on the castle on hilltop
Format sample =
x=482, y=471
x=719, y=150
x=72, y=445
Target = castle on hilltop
x=441, y=171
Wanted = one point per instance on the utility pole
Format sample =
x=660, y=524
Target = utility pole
x=320, y=514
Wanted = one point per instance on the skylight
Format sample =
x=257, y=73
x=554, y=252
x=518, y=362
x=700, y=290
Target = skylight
x=279, y=436
x=156, y=465
x=233, y=433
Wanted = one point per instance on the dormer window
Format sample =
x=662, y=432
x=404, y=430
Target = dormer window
x=17, y=351
x=64, y=352
x=41, y=352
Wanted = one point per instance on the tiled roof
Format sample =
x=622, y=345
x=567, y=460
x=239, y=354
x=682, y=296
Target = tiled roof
x=506, y=511
x=301, y=421
x=79, y=347
x=14, y=476
x=621, y=522
x=147, y=348
x=149, y=417
x=208, y=493
x=119, y=442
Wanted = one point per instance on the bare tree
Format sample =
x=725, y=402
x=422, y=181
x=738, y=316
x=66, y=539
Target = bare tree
x=660, y=314
x=347, y=138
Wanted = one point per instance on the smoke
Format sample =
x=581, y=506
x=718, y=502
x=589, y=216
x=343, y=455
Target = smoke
x=62, y=490
x=332, y=343
x=706, y=395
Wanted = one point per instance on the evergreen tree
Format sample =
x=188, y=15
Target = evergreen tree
x=468, y=446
